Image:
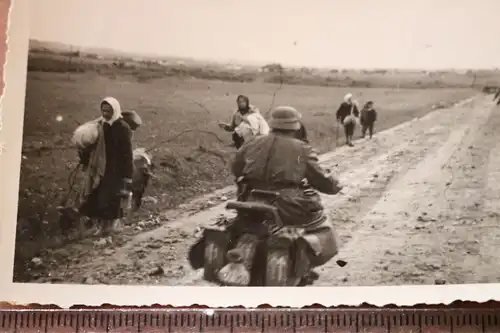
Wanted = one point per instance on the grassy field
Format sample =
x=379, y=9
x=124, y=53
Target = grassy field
x=180, y=116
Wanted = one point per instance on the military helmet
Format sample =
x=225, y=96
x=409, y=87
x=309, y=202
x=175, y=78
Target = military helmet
x=285, y=118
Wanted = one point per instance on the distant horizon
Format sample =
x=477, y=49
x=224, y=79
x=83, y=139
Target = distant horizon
x=242, y=62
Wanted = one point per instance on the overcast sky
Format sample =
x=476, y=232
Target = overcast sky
x=322, y=33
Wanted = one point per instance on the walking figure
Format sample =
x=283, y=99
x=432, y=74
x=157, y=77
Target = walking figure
x=246, y=123
x=108, y=163
x=367, y=119
x=347, y=115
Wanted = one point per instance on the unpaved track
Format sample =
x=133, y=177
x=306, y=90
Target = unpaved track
x=420, y=206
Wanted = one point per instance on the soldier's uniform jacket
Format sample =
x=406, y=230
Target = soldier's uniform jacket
x=280, y=163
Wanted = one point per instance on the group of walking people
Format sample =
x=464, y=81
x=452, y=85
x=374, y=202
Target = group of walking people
x=247, y=122
x=108, y=159
x=348, y=115
x=269, y=157
x=274, y=155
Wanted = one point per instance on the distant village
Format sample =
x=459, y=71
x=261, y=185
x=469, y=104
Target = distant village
x=122, y=59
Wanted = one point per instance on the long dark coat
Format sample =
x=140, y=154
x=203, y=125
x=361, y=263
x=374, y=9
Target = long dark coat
x=105, y=201
x=344, y=110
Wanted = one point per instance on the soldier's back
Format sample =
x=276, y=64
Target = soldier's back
x=276, y=159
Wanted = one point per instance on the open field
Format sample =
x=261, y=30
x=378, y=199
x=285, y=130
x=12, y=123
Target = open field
x=180, y=117
x=149, y=69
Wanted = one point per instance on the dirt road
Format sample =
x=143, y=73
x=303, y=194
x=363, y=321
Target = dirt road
x=421, y=206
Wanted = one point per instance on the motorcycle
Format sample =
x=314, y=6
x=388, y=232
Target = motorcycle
x=253, y=249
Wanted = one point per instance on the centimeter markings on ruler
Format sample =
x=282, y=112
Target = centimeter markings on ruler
x=242, y=320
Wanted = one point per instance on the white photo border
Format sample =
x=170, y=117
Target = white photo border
x=68, y=295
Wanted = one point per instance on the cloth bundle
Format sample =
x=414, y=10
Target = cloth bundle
x=350, y=120
x=253, y=124
x=87, y=134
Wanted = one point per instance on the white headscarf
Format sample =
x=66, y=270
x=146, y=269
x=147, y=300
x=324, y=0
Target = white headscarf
x=347, y=97
x=117, y=111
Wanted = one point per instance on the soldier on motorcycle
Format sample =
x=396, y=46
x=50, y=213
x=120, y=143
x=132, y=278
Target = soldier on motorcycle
x=279, y=162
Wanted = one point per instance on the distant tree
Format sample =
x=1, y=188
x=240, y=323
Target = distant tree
x=273, y=68
x=306, y=70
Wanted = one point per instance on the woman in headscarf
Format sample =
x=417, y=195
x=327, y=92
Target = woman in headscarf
x=108, y=165
x=246, y=122
x=347, y=115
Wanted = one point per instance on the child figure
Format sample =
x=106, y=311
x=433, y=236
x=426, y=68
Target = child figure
x=368, y=118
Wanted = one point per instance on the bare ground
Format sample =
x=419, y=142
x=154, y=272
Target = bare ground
x=420, y=206
x=180, y=125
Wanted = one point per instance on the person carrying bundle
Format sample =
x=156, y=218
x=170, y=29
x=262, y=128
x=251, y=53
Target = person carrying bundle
x=347, y=115
x=106, y=155
x=246, y=123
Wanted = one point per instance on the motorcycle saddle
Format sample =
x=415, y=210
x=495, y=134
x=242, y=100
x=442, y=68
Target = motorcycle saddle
x=254, y=207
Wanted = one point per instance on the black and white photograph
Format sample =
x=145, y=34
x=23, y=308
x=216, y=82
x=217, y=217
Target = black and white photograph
x=260, y=143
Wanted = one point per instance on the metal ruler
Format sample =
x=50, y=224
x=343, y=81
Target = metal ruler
x=252, y=320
